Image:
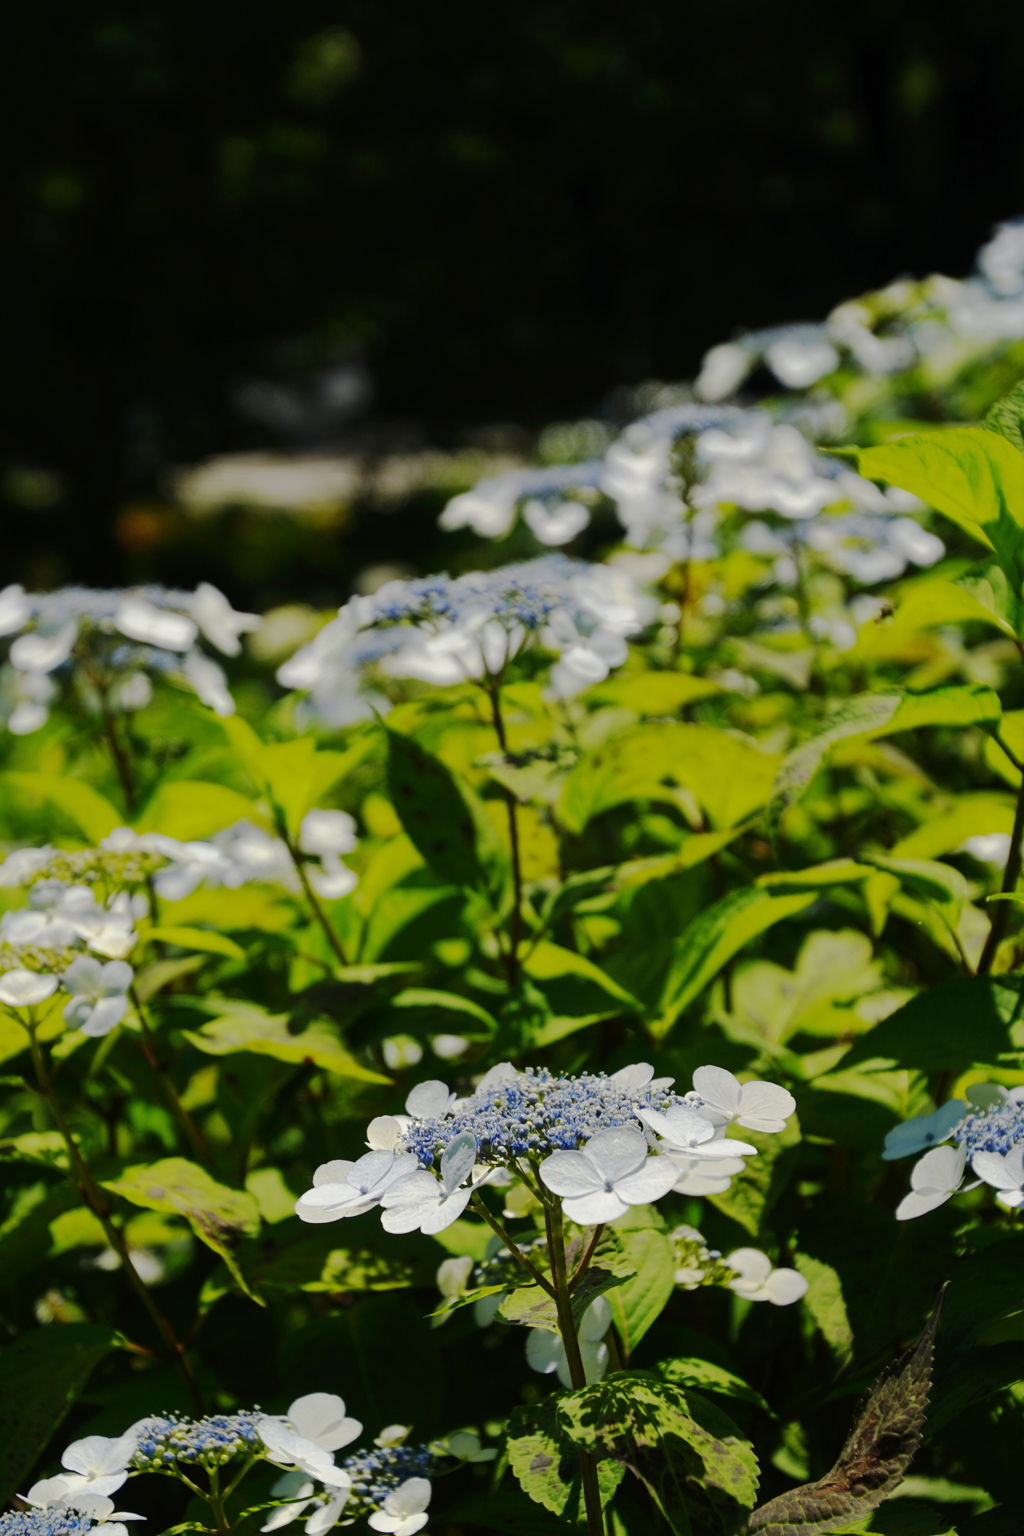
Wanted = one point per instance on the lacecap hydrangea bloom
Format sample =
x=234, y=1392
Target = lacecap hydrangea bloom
x=600, y=1143
x=987, y=1128
x=109, y=643
x=445, y=630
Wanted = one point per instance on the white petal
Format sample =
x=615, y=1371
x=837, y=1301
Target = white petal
x=504, y=1072
x=992, y=1168
x=617, y=1152
x=590, y=1210
x=752, y=1268
x=334, y=1172
x=570, y=1173
x=634, y=1077
x=320, y=1416
x=429, y=1100
x=765, y=1106
x=940, y=1169
x=284, y=1515
x=457, y=1161
x=596, y=1320
x=447, y=1210
x=21, y=989
x=784, y=1286
x=383, y=1133
x=719, y=1089
x=141, y=620
x=648, y=1183
x=544, y=1351
x=919, y=1203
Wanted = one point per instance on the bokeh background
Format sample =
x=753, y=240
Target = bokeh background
x=382, y=246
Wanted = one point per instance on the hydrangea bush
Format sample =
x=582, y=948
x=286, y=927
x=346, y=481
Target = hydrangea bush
x=571, y=1017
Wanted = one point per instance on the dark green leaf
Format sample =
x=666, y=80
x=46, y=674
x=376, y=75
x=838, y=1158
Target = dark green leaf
x=41, y=1374
x=443, y=818
x=547, y=1464
x=1006, y=417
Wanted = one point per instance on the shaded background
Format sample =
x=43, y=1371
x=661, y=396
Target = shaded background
x=368, y=226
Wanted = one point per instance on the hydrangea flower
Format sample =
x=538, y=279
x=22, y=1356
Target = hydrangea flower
x=403, y=1511
x=100, y=1463
x=23, y=989
x=98, y=994
x=924, y=1130
x=590, y=1135
x=989, y=1134
x=446, y=630
x=756, y=1279
x=933, y=1180
x=122, y=637
x=285, y=1447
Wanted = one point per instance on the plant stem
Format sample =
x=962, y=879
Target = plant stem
x=314, y=901
x=122, y=762
x=513, y=1248
x=1011, y=875
x=216, y=1500
x=149, y=1049
x=571, y=1343
x=93, y=1197
x=515, y=926
x=588, y=1254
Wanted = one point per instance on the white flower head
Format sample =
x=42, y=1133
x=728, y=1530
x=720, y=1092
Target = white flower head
x=98, y=994
x=1004, y=1171
x=934, y=1179
x=924, y=1130
x=609, y=1174
x=758, y=1106
x=208, y=679
x=758, y=1280
x=44, y=650
x=142, y=620
x=286, y=1448
x=640, y=1075
x=686, y=1130
x=321, y=1417
x=403, y=1512
x=20, y=988
x=333, y=879
x=343, y=1188
x=100, y=1463
x=422, y=1202
x=327, y=832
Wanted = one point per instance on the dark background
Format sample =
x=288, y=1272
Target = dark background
x=426, y=219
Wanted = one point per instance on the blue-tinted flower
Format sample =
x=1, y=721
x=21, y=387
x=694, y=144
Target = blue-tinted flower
x=924, y=1130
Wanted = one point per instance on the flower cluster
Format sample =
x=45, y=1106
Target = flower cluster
x=600, y=1143
x=388, y=1484
x=988, y=1129
x=110, y=642
x=444, y=630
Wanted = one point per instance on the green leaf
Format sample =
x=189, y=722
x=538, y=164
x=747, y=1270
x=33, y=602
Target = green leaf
x=652, y=693
x=294, y=774
x=41, y=1375
x=934, y=881
x=639, y=1302
x=972, y=475
x=204, y=939
x=692, y=1459
x=725, y=772
x=92, y=813
x=880, y=714
x=824, y=1301
x=880, y=1446
x=713, y=938
x=1006, y=417
x=446, y=1002
x=189, y=809
x=290, y=1256
x=547, y=1465
x=928, y=1035
x=219, y=1217
x=575, y=990
x=706, y=1376
x=443, y=818
x=247, y=1027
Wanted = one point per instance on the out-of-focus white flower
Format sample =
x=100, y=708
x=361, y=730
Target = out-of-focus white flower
x=722, y=371
x=611, y=1172
x=15, y=609
x=449, y=1047
x=988, y=848
x=489, y=508
x=23, y=989
x=465, y=1446
x=801, y=356
x=209, y=682
x=924, y=1130
x=545, y=1351
x=934, y=1180
x=403, y=1512
x=43, y=650
x=327, y=832
x=758, y=1280
x=98, y=994
x=343, y=1188
x=25, y=699
x=401, y=1051
x=110, y=930
x=758, y=1106
x=555, y=525
x=142, y=620
x=220, y=623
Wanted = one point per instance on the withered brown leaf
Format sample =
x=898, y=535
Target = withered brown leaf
x=882, y=1440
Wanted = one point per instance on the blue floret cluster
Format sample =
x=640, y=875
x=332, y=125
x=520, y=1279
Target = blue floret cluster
x=211, y=1441
x=998, y=1129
